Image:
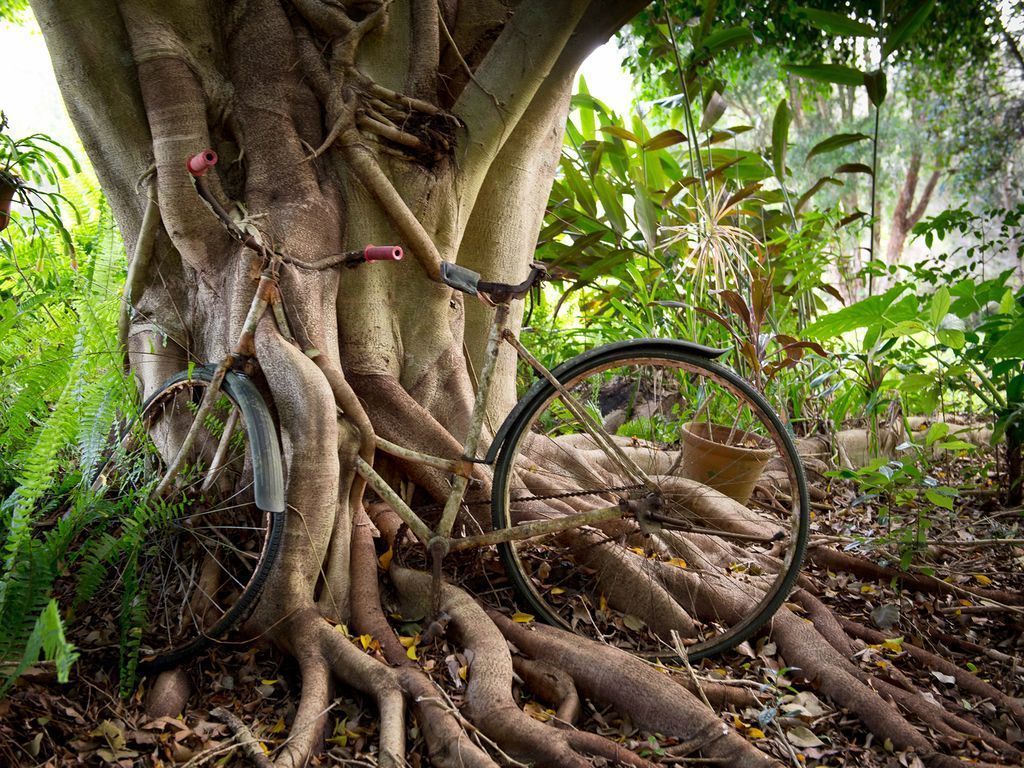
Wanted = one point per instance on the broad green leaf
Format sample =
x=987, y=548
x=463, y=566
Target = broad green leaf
x=580, y=188
x=877, y=86
x=585, y=101
x=939, y=499
x=950, y=332
x=837, y=23
x=611, y=201
x=905, y=328
x=665, y=139
x=646, y=217
x=905, y=28
x=874, y=310
x=722, y=39
x=936, y=431
x=838, y=141
x=839, y=74
x=939, y=306
x=1011, y=345
x=951, y=338
x=780, y=137
x=916, y=381
x=956, y=445
x=1006, y=302
x=587, y=124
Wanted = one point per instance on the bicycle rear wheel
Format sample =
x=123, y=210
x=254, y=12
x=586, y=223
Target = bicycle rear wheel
x=697, y=448
x=192, y=561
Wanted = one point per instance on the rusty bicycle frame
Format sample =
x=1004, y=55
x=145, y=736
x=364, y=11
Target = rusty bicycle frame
x=439, y=541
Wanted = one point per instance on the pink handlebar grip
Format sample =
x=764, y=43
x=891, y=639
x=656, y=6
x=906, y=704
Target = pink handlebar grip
x=199, y=164
x=383, y=253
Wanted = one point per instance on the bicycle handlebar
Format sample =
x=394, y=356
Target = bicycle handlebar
x=199, y=164
x=383, y=253
x=202, y=162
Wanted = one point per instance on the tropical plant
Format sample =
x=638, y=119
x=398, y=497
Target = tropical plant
x=31, y=168
x=60, y=390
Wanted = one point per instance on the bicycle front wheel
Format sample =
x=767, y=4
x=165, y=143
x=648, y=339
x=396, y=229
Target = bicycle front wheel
x=715, y=508
x=190, y=560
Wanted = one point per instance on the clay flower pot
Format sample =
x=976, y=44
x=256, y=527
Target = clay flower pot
x=7, y=189
x=726, y=459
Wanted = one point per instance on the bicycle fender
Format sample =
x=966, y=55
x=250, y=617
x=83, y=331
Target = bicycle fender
x=267, y=467
x=574, y=365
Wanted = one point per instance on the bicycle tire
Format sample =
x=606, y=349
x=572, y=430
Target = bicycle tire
x=531, y=564
x=245, y=554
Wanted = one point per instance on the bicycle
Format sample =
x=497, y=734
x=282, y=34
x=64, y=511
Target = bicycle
x=598, y=488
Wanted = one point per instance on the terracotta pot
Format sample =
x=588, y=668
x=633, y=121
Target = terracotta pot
x=726, y=459
x=6, y=195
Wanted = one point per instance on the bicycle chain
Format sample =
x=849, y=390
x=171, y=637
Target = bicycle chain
x=566, y=495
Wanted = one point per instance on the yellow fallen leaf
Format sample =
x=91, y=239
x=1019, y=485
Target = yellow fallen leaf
x=411, y=653
x=408, y=642
x=463, y=672
x=982, y=579
x=638, y=551
x=867, y=589
x=755, y=733
x=557, y=591
x=366, y=641
x=385, y=559
x=522, y=618
x=678, y=562
x=269, y=682
x=277, y=727
x=894, y=644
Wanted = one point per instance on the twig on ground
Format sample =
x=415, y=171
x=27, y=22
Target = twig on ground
x=251, y=746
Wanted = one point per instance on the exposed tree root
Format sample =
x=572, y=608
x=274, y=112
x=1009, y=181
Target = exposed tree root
x=654, y=700
x=489, y=702
x=965, y=680
x=843, y=561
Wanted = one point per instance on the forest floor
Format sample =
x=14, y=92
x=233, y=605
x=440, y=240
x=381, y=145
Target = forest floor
x=86, y=722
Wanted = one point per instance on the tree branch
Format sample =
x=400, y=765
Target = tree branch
x=926, y=196
x=512, y=72
x=366, y=169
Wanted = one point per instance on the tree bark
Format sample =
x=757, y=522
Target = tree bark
x=909, y=211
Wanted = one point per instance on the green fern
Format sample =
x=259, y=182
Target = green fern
x=61, y=390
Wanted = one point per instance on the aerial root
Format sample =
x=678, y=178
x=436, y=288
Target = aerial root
x=654, y=700
x=627, y=582
x=323, y=651
x=552, y=685
x=873, y=699
x=490, y=705
x=835, y=560
x=446, y=738
x=966, y=681
x=824, y=621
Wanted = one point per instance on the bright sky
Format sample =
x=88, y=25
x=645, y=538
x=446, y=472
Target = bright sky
x=31, y=99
